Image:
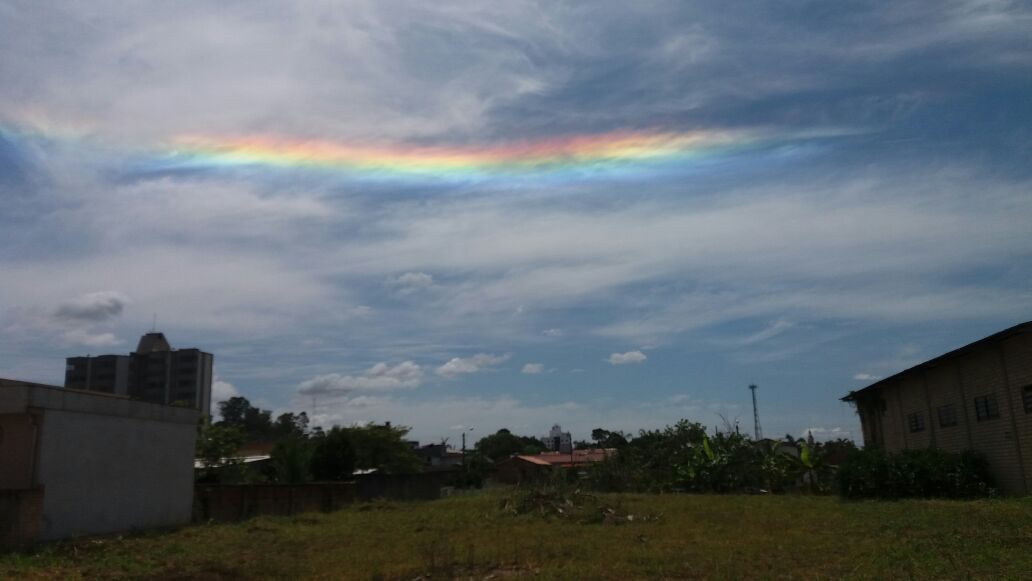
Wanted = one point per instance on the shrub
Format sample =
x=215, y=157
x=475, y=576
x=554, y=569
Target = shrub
x=915, y=474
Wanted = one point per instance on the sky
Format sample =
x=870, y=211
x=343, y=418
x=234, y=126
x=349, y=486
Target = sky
x=462, y=216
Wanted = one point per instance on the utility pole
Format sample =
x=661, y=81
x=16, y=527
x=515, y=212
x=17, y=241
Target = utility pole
x=758, y=433
x=465, y=465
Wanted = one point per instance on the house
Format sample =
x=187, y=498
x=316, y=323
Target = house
x=77, y=462
x=526, y=467
x=438, y=456
x=977, y=397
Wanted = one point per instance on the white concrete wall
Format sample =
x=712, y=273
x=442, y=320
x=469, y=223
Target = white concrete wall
x=108, y=473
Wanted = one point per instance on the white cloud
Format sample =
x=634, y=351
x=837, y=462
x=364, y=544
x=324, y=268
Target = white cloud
x=772, y=330
x=866, y=377
x=627, y=358
x=211, y=289
x=380, y=377
x=221, y=391
x=461, y=366
x=533, y=368
x=552, y=332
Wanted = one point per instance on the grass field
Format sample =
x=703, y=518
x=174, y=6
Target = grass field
x=718, y=537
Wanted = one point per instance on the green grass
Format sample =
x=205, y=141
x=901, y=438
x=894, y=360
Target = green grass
x=712, y=537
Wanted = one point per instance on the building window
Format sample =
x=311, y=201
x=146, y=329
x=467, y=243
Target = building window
x=986, y=407
x=916, y=422
x=947, y=416
x=1026, y=398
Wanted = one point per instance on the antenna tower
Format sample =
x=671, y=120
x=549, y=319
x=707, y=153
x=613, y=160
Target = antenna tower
x=756, y=414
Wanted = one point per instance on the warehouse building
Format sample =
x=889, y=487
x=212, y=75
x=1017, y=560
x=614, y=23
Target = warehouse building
x=977, y=397
x=75, y=463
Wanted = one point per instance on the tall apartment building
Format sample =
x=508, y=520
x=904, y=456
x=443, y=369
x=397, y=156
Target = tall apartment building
x=155, y=373
x=558, y=440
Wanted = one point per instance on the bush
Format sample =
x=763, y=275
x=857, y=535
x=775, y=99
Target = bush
x=915, y=474
x=682, y=457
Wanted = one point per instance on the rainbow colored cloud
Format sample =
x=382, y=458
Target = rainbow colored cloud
x=611, y=154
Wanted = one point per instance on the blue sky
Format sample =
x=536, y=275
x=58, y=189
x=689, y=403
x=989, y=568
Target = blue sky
x=893, y=225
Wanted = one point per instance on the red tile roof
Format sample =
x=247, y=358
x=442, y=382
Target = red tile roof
x=566, y=460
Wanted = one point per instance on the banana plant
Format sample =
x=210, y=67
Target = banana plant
x=812, y=467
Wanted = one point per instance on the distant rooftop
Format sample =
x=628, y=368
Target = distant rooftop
x=991, y=339
x=561, y=459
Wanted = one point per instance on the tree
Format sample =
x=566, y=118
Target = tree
x=503, y=444
x=291, y=457
x=290, y=424
x=238, y=411
x=606, y=439
x=333, y=456
x=216, y=446
x=383, y=447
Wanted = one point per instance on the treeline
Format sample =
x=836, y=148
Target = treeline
x=299, y=453
x=684, y=458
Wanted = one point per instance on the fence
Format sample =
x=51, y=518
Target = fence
x=230, y=502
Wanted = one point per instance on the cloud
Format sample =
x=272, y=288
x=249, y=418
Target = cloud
x=438, y=417
x=627, y=358
x=533, y=368
x=462, y=366
x=823, y=434
x=82, y=321
x=866, y=377
x=93, y=307
x=253, y=261
x=221, y=391
x=412, y=282
x=380, y=377
x=772, y=330
x=85, y=338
